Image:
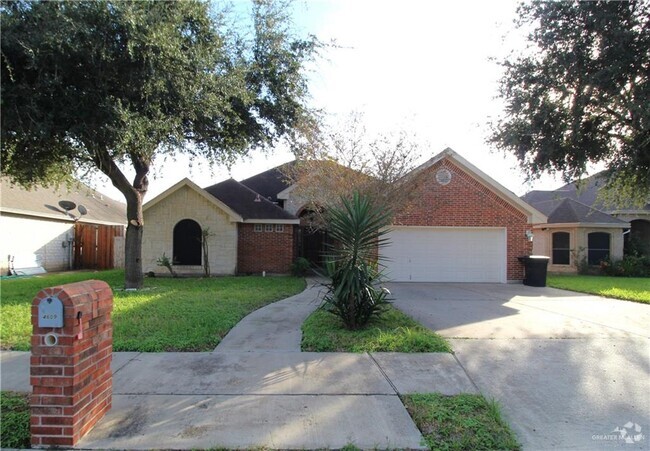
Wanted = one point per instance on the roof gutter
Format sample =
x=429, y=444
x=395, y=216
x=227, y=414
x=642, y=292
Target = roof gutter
x=61, y=218
x=594, y=225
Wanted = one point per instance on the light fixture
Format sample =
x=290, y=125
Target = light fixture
x=529, y=235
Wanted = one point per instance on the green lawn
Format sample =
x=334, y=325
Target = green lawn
x=462, y=422
x=629, y=288
x=391, y=332
x=167, y=315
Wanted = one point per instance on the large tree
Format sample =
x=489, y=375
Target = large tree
x=579, y=93
x=106, y=84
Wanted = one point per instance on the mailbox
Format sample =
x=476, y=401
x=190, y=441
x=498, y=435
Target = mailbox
x=50, y=312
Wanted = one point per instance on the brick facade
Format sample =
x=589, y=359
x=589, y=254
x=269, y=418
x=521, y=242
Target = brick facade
x=270, y=251
x=466, y=202
x=72, y=379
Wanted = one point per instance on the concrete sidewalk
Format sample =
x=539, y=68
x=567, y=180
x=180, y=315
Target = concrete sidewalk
x=285, y=400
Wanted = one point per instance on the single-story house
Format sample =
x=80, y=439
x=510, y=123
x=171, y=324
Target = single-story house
x=582, y=229
x=463, y=226
x=38, y=233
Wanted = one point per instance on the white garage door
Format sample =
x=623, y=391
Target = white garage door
x=441, y=254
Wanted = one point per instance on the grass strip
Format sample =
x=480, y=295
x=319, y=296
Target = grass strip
x=393, y=331
x=635, y=289
x=14, y=420
x=464, y=422
x=166, y=315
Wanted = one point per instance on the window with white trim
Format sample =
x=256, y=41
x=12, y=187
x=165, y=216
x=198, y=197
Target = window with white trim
x=258, y=227
x=279, y=227
x=268, y=227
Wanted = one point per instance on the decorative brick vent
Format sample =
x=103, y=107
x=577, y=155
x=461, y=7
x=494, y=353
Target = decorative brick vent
x=70, y=369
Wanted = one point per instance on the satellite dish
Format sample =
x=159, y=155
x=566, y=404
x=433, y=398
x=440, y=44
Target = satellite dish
x=67, y=205
x=82, y=210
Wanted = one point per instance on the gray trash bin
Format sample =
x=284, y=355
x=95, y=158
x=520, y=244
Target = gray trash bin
x=535, y=267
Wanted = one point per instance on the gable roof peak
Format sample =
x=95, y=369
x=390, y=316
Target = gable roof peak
x=533, y=215
x=186, y=182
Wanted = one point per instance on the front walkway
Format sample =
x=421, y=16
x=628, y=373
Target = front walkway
x=275, y=327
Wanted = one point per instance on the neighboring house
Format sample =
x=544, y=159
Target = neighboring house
x=38, y=233
x=462, y=226
x=581, y=229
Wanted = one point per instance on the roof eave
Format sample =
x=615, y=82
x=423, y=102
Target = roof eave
x=272, y=221
x=35, y=214
x=595, y=225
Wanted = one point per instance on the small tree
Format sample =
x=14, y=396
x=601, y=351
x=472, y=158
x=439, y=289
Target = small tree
x=358, y=228
x=205, y=235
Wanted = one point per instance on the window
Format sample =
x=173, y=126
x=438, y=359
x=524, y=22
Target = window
x=187, y=243
x=598, y=247
x=258, y=227
x=561, y=248
x=268, y=227
x=279, y=227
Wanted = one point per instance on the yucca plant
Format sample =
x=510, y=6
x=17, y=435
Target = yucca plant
x=357, y=229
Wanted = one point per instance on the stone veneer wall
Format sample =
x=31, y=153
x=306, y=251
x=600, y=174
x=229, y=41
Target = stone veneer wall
x=158, y=236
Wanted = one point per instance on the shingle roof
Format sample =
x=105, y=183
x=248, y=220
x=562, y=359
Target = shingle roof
x=585, y=192
x=571, y=211
x=269, y=183
x=246, y=202
x=44, y=202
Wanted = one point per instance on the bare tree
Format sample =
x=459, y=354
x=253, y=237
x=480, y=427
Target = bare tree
x=347, y=159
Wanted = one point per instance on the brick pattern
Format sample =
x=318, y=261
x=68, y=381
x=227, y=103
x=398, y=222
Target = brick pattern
x=265, y=251
x=72, y=381
x=466, y=202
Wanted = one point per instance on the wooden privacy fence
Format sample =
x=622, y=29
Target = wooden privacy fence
x=94, y=245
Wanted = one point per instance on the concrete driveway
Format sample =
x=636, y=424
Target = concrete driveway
x=571, y=371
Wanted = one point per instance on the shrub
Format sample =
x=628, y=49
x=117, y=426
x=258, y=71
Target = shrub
x=630, y=266
x=358, y=228
x=166, y=262
x=300, y=267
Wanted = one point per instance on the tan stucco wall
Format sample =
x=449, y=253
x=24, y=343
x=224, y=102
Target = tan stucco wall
x=159, y=222
x=30, y=238
x=543, y=245
x=293, y=204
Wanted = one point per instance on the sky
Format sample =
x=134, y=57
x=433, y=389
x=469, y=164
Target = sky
x=421, y=66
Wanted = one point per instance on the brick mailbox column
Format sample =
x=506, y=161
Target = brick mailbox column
x=70, y=372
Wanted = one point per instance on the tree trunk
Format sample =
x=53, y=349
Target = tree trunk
x=134, y=195
x=133, y=277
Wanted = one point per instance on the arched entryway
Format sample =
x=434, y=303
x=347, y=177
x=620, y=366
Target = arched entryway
x=313, y=238
x=187, y=243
